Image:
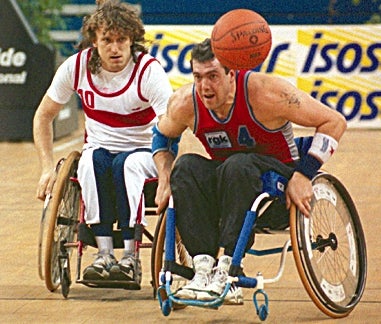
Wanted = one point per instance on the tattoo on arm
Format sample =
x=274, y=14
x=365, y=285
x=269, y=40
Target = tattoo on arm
x=291, y=99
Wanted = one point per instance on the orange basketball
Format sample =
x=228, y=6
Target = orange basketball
x=241, y=39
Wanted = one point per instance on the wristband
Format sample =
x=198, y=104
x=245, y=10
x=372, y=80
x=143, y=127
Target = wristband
x=309, y=166
x=161, y=142
x=322, y=147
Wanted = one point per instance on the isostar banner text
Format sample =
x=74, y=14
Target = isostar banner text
x=338, y=65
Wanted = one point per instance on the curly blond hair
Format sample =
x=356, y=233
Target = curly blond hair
x=118, y=17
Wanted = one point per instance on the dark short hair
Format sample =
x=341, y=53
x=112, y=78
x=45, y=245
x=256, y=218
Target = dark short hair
x=202, y=52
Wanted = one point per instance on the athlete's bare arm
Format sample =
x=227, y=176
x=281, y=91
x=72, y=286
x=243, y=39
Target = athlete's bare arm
x=43, y=139
x=275, y=101
x=179, y=116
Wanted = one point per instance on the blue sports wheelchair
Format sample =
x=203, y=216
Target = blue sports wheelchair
x=329, y=249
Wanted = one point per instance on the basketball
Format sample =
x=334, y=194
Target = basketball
x=241, y=39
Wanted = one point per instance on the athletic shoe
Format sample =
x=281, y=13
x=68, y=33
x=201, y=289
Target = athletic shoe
x=100, y=269
x=203, y=265
x=234, y=296
x=127, y=269
x=218, y=283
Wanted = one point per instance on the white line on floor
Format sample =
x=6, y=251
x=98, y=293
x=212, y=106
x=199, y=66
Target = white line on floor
x=68, y=144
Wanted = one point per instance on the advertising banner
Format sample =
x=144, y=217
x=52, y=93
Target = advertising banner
x=338, y=65
x=26, y=70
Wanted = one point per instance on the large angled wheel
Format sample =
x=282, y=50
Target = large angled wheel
x=61, y=217
x=158, y=255
x=44, y=224
x=329, y=248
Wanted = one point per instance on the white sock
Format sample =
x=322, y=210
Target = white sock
x=129, y=247
x=105, y=244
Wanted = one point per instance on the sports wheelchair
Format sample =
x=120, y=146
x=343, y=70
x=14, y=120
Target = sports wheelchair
x=329, y=249
x=63, y=229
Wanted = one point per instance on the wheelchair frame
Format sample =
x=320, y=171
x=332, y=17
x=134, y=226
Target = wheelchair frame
x=62, y=229
x=329, y=249
x=312, y=240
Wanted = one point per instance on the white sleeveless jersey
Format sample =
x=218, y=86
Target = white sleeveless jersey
x=120, y=108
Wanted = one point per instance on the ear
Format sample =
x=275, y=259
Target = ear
x=232, y=75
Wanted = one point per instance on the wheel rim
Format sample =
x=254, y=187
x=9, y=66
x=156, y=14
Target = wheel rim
x=330, y=253
x=63, y=211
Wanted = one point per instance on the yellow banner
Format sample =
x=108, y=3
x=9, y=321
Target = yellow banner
x=338, y=65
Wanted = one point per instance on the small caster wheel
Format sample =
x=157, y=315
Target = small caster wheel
x=65, y=282
x=263, y=312
x=166, y=307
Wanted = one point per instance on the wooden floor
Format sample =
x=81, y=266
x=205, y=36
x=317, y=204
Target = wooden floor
x=24, y=298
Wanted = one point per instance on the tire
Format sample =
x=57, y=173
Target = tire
x=329, y=248
x=157, y=255
x=65, y=282
x=62, y=215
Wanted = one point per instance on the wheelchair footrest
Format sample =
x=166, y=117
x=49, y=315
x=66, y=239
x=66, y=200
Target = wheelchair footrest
x=212, y=304
x=120, y=284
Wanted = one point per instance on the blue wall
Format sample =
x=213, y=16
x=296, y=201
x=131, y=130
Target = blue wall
x=276, y=12
x=298, y=12
x=206, y=12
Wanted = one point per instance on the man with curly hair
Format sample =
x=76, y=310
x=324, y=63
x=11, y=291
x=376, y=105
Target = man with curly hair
x=123, y=91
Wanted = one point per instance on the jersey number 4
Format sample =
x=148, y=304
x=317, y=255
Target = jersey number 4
x=244, y=137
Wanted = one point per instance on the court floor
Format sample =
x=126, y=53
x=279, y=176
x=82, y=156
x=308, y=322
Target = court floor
x=24, y=298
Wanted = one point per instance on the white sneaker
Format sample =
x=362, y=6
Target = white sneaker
x=100, y=269
x=219, y=280
x=203, y=265
x=218, y=283
x=127, y=269
x=234, y=296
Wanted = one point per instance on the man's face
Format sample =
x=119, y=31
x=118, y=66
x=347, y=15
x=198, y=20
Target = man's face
x=114, y=49
x=212, y=82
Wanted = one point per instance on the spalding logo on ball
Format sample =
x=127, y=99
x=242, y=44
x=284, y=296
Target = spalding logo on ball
x=241, y=39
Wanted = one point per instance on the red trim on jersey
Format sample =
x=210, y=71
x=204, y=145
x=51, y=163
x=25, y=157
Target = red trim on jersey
x=112, y=119
x=140, y=79
x=113, y=94
x=77, y=68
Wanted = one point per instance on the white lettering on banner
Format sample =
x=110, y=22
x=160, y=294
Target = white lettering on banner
x=13, y=78
x=10, y=58
x=16, y=59
x=338, y=65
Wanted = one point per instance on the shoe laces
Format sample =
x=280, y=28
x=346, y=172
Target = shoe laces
x=220, y=276
x=201, y=278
